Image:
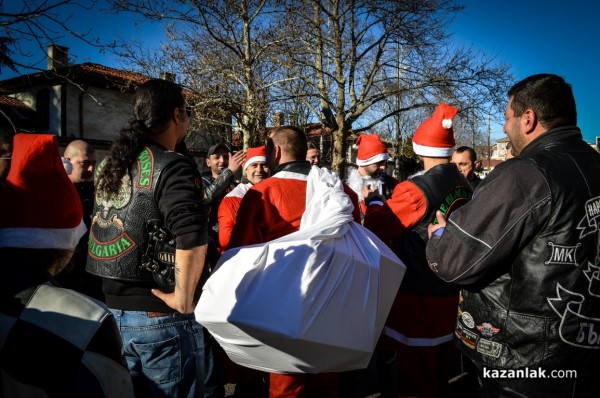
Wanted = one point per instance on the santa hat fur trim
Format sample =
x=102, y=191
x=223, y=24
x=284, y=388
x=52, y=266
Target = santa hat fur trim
x=370, y=150
x=40, y=206
x=435, y=136
x=256, y=154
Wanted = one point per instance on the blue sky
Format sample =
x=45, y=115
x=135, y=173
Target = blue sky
x=550, y=36
x=533, y=36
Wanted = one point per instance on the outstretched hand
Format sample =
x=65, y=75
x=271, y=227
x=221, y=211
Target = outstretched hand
x=236, y=161
x=441, y=223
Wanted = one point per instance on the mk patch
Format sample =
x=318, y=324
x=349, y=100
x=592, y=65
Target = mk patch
x=559, y=254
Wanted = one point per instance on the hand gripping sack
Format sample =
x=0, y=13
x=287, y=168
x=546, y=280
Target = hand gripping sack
x=312, y=301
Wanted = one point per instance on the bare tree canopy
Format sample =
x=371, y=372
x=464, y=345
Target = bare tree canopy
x=37, y=22
x=221, y=50
x=351, y=65
x=371, y=61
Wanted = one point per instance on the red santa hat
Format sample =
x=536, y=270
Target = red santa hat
x=256, y=154
x=435, y=137
x=40, y=206
x=370, y=150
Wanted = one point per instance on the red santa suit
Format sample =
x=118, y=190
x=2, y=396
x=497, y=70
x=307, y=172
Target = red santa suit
x=421, y=322
x=268, y=211
x=228, y=212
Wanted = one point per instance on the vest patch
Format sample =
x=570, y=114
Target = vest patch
x=118, y=201
x=110, y=250
x=589, y=223
x=145, y=163
x=559, y=254
x=454, y=199
x=468, y=338
x=576, y=327
x=489, y=348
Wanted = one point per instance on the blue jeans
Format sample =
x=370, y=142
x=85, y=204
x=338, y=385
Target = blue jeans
x=165, y=354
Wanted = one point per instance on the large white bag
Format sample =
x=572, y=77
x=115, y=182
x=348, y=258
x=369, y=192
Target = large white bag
x=310, y=302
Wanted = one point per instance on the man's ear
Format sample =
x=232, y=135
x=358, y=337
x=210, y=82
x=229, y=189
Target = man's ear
x=177, y=115
x=529, y=121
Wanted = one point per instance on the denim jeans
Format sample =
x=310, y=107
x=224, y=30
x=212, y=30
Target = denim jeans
x=165, y=354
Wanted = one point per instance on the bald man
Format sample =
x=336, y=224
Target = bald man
x=83, y=158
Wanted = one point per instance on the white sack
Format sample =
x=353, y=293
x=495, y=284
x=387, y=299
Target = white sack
x=313, y=301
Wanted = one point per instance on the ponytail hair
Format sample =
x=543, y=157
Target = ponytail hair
x=153, y=107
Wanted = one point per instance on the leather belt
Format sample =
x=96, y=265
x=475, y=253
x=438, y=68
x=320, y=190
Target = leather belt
x=154, y=314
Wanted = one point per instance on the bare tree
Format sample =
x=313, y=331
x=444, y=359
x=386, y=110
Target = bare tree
x=350, y=64
x=365, y=52
x=221, y=50
x=38, y=22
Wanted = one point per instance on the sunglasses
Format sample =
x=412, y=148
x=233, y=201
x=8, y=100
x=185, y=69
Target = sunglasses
x=188, y=109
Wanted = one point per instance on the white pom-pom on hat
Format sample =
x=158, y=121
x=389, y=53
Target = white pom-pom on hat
x=435, y=137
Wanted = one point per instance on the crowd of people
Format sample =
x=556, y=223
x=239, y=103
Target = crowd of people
x=103, y=264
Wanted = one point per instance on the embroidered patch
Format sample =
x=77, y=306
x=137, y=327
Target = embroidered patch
x=109, y=250
x=576, y=327
x=559, y=254
x=489, y=348
x=487, y=329
x=454, y=199
x=467, y=337
x=467, y=320
x=118, y=201
x=433, y=267
x=145, y=163
x=589, y=223
x=108, y=239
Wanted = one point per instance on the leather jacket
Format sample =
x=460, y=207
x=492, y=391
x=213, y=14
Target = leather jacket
x=526, y=249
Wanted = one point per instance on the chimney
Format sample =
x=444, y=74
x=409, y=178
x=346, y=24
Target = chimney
x=168, y=76
x=278, y=119
x=58, y=57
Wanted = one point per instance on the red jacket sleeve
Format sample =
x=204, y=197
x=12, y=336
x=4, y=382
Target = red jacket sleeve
x=228, y=210
x=401, y=212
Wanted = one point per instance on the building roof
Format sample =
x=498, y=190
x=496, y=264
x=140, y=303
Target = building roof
x=19, y=114
x=88, y=72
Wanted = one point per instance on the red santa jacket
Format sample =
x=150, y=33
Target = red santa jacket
x=274, y=207
x=228, y=210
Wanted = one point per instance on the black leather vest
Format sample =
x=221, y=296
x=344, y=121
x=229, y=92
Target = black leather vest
x=546, y=310
x=445, y=189
x=119, y=234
